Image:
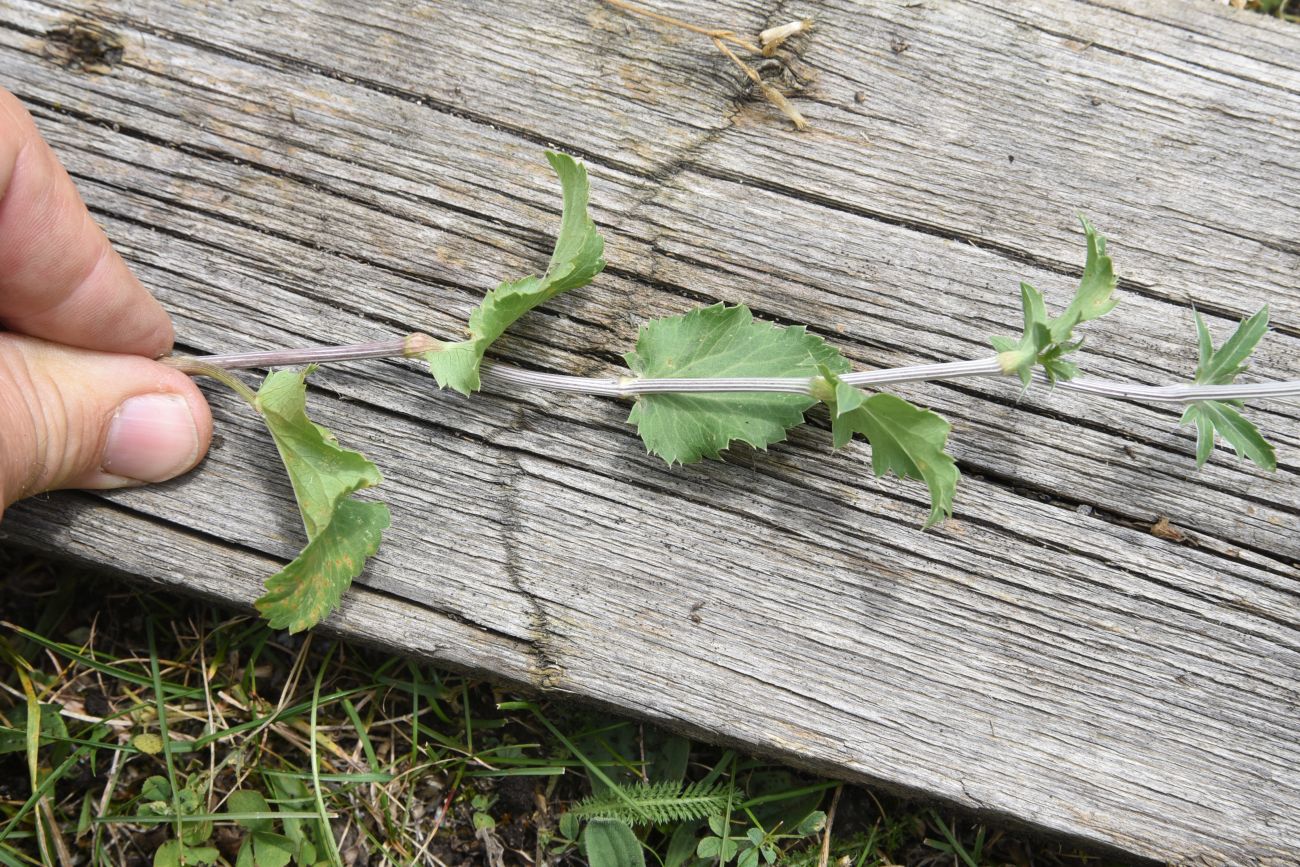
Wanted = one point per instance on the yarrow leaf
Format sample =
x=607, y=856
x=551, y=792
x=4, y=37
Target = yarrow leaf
x=342, y=532
x=660, y=803
x=910, y=441
x=575, y=260
x=722, y=341
x=1047, y=340
x=1220, y=367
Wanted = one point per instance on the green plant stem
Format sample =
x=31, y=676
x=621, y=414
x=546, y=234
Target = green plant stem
x=505, y=375
x=160, y=704
x=327, y=832
x=199, y=367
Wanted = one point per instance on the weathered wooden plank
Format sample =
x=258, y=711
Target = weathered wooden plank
x=928, y=146
x=1087, y=474
x=1066, y=668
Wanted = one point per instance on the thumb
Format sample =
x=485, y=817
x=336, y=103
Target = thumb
x=72, y=418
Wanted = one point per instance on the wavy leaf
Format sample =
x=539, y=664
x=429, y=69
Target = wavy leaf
x=575, y=260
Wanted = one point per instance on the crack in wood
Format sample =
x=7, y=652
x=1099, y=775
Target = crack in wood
x=544, y=640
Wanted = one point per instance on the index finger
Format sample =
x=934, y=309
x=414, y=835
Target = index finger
x=60, y=279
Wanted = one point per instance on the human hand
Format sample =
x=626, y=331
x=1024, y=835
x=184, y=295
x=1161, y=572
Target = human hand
x=82, y=405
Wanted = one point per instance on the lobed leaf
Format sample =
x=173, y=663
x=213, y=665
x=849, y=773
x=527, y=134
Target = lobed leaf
x=1217, y=417
x=1092, y=300
x=910, y=441
x=1220, y=367
x=575, y=260
x=722, y=341
x=342, y=532
x=660, y=803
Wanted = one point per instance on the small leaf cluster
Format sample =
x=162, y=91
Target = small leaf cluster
x=1047, y=340
x=1220, y=367
x=717, y=341
x=262, y=845
x=157, y=798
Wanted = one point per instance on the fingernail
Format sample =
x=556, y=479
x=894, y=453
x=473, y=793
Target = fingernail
x=151, y=438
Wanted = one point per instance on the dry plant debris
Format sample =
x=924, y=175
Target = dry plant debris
x=726, y=41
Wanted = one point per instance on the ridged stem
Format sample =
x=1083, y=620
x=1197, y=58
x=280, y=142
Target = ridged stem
x=502, y=374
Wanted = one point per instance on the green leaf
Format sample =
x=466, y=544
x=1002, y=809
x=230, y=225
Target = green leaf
x=721, y=341
x=272, y=850
x=910, y=441
x=1045, y=340
x=342, y=532
x=575, y=260
x=249, y=801
x=1019, y=356
x=301, y=594
x=291, y=789
x=194, y=833
x=174, y=854
x=681, y=846
x=188, y=800
x=321, y=471
x=611, y=843
x=1215, y=416
x=201, y=855
x=1220, y=367
x=1092, y=300
x=155, y=788
x=660, y=803
x=812, y=823
x=51, y=727
x=716, y=848
x=168, y=854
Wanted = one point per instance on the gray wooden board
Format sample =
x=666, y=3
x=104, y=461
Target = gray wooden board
x=290, y=172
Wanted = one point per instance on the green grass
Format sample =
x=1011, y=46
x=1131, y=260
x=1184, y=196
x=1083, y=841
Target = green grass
x=138, y=727
x=1287, y=10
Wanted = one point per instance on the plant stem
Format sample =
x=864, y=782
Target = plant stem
x=413, y=344
x=202, y=367
x=417, y=344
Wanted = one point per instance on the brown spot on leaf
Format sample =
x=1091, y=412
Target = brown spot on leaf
x=84, y=45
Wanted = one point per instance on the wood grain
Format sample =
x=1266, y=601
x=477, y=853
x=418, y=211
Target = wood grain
x=294, y=172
